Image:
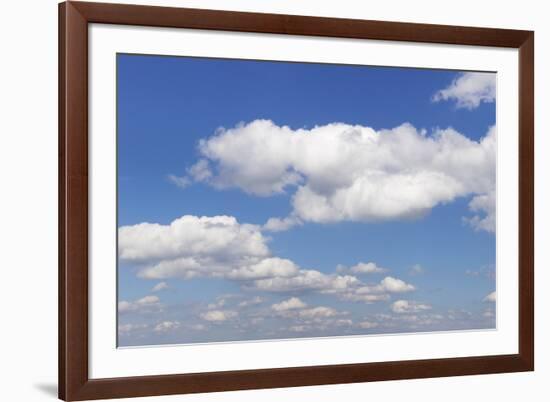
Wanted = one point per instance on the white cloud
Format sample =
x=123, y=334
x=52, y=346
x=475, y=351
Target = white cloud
x=124, y=306
x=368, y=324
x=147, y=300
x=251, y=302
x=379, y=292
x=167, y=326
x=191, y=237
x=126, y=329
x=219, y=315
x=290, y=304
x=469, y=90
x=280, y=225
x=159, y=286
x=367, y=268
x=221, y=247
x=147, y=303
x=181, y=182
x=485, y=203
x=406, y=306
x=268, y=267
x=491, y=297
x=340, y=172
x=317, y=312
x=200, y=171
x=394, y=285
x=366, y=298
x=307, y=279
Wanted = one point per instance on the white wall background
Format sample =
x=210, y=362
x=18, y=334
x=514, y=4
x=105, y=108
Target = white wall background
x=28, y=199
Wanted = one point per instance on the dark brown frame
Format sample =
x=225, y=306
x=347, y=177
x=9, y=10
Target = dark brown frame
x=74, y=383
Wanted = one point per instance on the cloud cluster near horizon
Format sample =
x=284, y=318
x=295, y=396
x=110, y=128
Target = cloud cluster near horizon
x=221, y=247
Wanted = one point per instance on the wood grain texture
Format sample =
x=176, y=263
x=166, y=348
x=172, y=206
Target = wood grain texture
x=74, y=382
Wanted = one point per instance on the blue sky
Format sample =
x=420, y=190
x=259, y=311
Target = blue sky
x=403, y=184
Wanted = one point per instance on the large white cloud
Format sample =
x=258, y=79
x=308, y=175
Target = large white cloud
x=469, y=90
x=340, y=172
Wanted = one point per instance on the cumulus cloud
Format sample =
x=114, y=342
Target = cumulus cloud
x=219, y=315
x=469, y=90
x=268, y=267
x=167, y=326
x=485, y=203
x=127, y=329
x=147, y=303
x=221, y=247
x=296, y=309
x=280, y=225
x=199, y=246
x=307, y=279
x=290, y=304
x=393, y=285
x=367, y=268
x=406, y=306
x=378, y=292
x=491, y=297
x=190, y=237
x=159, y=286
x=361, y=268
x=317, y=312
x=340, y=172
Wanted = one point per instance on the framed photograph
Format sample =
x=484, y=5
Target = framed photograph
x=257, y=201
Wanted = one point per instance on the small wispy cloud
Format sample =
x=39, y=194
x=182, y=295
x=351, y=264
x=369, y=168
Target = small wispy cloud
x=159, y=286
x=416, y=270
x=180, y=181
x=469, y=90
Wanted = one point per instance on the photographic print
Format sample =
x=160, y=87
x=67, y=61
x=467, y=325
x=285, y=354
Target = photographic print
x=263, y=200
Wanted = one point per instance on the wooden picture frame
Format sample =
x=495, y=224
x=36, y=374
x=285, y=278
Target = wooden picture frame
x=74, y=381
